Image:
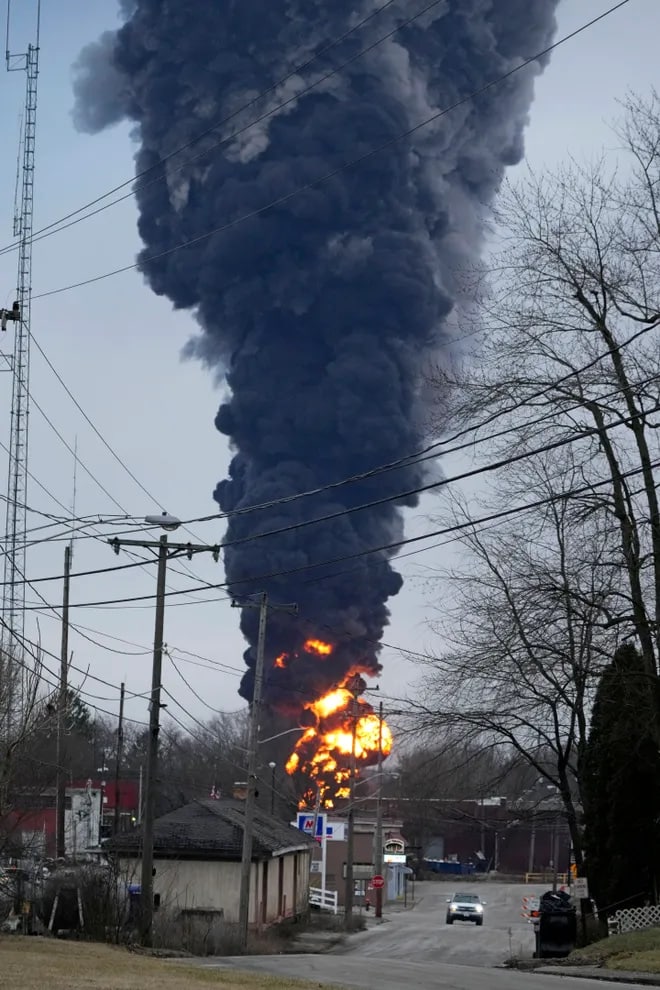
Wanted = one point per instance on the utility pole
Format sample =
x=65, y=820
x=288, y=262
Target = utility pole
x=147, y=878
x=62, y=705
x=273, y=767
x=166, y=551
x=120, y=749
x=555, y=854
x=356, y=686
x=252, y=748
x=378, y=857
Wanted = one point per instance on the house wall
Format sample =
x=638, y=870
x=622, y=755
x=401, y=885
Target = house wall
x=336, y=858
x=215, y=886
x=273, y=909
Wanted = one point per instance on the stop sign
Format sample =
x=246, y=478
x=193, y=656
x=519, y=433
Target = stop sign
x=378, y=882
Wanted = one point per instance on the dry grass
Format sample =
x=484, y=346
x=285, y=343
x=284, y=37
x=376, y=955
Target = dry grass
x=637, y=952
x=30, y=963
x=637, y=962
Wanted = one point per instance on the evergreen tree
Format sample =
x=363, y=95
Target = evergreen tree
x=620, y=784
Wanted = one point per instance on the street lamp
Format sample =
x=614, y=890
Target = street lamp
x=165, y=551
x=272, y=787
x=164, y=520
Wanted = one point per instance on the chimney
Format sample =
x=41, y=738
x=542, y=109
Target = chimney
x=240, y=791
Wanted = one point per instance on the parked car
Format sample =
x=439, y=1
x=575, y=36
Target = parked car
x=465, y=907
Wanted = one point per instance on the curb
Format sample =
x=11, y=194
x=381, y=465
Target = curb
x=604, y=975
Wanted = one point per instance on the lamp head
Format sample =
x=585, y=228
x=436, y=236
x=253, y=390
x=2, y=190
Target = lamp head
x=165, y=521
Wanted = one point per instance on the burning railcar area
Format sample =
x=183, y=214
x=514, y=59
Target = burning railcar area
x=341, y=735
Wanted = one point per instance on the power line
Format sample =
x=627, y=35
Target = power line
x=91, y=424
x=434, y=485
x=431, y=451
x=54, y=684
x=82, y=464
x=349, y=510
x=96, y=481
x=188, y=571
x=216, y=711
x=388, y=547
x=220, y=123
x=281, y=200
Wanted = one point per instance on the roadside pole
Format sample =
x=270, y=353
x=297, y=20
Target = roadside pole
x=324, y=861
x=378, y=837
x=253, y=742
x=62, y=709
x=349, y=891
x=253, y=745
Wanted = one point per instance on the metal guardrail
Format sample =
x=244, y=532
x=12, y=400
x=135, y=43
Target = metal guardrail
x=562, y=878
x=324, y=899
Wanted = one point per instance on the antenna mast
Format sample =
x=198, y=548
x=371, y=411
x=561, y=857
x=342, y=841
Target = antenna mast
x=13, y=598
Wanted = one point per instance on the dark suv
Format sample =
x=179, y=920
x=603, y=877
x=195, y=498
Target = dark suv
x=465, y=907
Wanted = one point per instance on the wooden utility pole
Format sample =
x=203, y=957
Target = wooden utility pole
x=120, y=753
x=147, y=875
x=378, y=838
x=62, y=705
x=253, y=742
x=253, y=754
x=356, y=686
x=166, y=551
x=349, y=890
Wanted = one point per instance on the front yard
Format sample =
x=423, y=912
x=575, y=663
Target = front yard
x=50, y=964
x=635, y=952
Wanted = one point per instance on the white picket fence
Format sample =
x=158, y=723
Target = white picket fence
x=326, y=900
x=634, y=919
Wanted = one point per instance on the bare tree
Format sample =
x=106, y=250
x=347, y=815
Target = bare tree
x=23, y=711
x=570, y=348
x=528, y=631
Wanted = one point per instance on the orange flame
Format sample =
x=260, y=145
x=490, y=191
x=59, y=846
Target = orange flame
x=318, y=646
x=281, y=661
x=324, y=752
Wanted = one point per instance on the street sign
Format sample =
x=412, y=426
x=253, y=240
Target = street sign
x=580, y=888
x=305, y=822
x=378, y=882
x=361, y=871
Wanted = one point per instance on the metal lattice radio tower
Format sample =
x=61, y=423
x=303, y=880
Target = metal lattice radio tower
x=13, y=598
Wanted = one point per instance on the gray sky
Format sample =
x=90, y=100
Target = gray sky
x=117, y=347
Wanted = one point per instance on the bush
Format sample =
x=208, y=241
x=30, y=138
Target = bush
x=208, y=934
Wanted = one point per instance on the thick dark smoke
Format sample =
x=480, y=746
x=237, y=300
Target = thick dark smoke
x=321, y=313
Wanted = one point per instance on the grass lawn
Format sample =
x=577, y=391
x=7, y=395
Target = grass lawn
x=637, y=952
x=49, y=964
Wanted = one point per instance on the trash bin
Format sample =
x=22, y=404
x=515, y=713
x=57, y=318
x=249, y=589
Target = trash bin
x=556, y=931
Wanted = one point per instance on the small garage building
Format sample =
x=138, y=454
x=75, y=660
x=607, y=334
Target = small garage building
x=197, y=862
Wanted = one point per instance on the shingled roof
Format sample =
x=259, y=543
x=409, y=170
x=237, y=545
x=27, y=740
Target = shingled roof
x=213, y=829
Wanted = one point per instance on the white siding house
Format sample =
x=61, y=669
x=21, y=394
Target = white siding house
x=197, y=853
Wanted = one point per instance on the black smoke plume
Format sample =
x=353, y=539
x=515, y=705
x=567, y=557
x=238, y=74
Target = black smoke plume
x=317, y=315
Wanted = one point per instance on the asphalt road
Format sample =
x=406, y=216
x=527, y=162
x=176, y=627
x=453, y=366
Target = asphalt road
x=421, y=935
x=387, y=974
x=416, y=948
